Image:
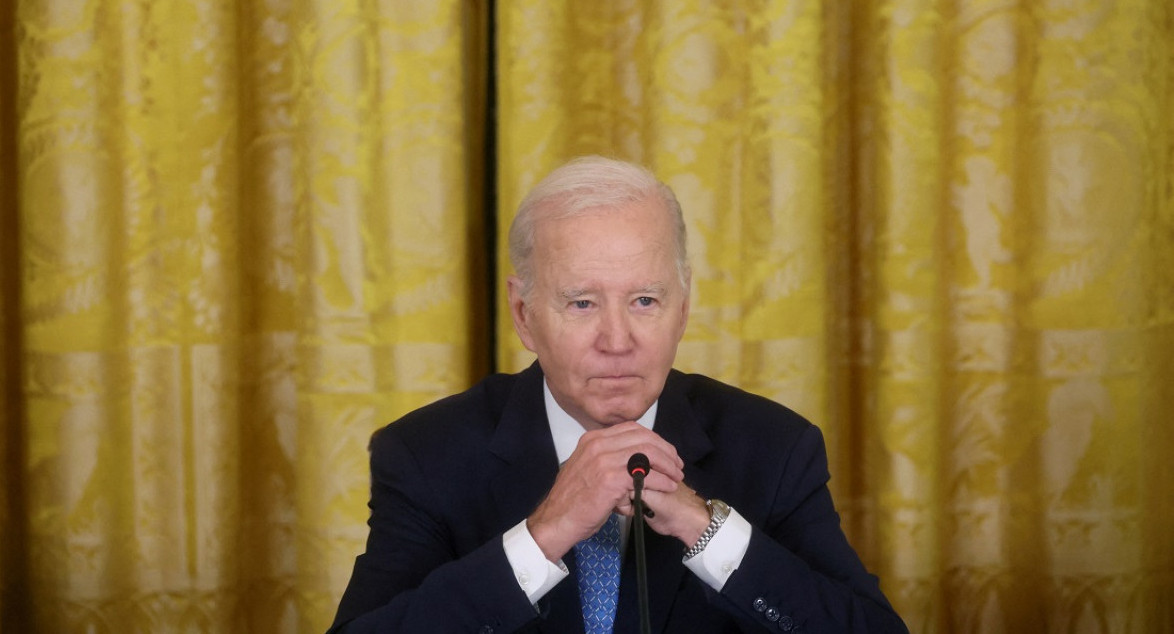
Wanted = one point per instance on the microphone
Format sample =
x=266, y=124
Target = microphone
x=638, y=467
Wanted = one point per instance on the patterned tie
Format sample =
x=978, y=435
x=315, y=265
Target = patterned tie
x=598, y=560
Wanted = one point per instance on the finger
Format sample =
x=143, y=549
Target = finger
x=669, y=465
x=629, y=438
x=630, y=434
x=656, y=446
x=648, y=512
x=661, y=483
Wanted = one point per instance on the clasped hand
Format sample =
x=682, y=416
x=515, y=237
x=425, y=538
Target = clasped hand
x=594, y=482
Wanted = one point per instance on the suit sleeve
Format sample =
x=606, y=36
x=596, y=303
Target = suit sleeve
x=800, y=574
x=410, y=579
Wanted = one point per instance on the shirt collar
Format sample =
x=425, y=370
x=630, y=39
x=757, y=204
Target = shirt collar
x=566, y=430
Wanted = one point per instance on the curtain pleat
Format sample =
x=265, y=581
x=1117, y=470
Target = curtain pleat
x=237, y=238
x=936, y=229
x=246, y=237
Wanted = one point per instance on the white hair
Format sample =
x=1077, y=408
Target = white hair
x=584, y=184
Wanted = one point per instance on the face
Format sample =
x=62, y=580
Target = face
x=606, y=310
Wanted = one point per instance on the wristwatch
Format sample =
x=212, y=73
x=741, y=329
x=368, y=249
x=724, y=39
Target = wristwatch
x=718, y=512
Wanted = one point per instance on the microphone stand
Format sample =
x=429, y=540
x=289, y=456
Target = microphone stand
x=638, y=511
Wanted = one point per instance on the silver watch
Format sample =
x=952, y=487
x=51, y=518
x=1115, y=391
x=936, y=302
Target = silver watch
x=718, y=512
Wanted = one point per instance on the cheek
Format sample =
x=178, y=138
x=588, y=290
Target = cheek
x=574, y=339
x=667, y=348
x=569, y=350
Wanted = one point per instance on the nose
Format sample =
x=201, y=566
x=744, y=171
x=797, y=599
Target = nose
x=615, y=331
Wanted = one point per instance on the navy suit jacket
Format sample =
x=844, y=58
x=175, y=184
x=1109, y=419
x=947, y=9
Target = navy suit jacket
x=449, y=479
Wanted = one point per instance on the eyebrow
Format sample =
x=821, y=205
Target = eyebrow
x=571, y=294
x=656, y=288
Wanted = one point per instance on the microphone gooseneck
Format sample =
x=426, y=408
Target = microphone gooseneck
x=638, y=467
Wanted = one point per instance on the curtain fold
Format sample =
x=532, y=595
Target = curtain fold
x=13, y=560
x=246, y=233
x=939, y=230
x=236, y=238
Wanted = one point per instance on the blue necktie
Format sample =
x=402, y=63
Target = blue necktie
x=598, y=561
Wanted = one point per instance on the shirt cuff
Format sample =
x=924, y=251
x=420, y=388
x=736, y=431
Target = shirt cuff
x=723, y=554
x=533, y=571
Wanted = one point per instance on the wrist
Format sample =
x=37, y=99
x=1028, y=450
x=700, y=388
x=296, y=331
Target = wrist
x=547, y=537
x=695, y=527
x=718, y=512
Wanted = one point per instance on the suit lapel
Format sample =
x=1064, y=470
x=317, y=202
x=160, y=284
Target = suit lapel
x=529, y=466
x=665, y=575
x=676, y=423
x=523, y=444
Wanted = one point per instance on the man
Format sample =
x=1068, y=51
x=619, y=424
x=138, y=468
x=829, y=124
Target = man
x=508, y=507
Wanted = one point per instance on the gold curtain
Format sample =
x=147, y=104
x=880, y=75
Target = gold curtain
x=235, y=238
x=246, y=235
x=944, y=231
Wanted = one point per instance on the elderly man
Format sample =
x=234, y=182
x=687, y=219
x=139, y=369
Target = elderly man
x=508, y=507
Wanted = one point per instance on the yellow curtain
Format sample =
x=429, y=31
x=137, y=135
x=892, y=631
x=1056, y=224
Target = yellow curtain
x=942, y=231
x=235, y=238
x=247, y=237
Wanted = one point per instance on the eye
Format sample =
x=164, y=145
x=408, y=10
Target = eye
x=581, y=304
x=645, y=302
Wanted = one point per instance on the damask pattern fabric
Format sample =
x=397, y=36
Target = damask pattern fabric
x=247, y=233
x=235, y=238
x=943, y=232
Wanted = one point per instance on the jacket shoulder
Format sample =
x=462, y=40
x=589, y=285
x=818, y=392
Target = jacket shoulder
x=471, y=413
x=716, y=401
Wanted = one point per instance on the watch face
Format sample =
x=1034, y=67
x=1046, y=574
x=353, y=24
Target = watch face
x=720, y=509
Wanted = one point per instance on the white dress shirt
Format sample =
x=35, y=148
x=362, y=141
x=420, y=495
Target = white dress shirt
x=537, y=575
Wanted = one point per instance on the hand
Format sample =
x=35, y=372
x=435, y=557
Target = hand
x=680, y=513
x=594, y=482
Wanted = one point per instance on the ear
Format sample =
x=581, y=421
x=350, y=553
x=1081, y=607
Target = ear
x=685, y=305
x=518, y=311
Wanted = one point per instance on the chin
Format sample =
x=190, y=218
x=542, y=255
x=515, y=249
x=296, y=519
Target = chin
x=621, y=413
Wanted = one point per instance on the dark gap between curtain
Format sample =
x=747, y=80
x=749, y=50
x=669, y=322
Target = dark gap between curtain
x=489, y=185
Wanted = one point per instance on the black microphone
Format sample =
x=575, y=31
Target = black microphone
x=638, y=467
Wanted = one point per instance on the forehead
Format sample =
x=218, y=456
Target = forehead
x=634, y=242
x=648, y=216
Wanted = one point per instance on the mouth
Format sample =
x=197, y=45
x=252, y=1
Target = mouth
x=617, y=380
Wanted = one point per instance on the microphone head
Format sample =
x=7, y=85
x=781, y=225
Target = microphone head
x=638, y=465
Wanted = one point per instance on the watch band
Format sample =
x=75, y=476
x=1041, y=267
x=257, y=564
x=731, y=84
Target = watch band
x=718, y=512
